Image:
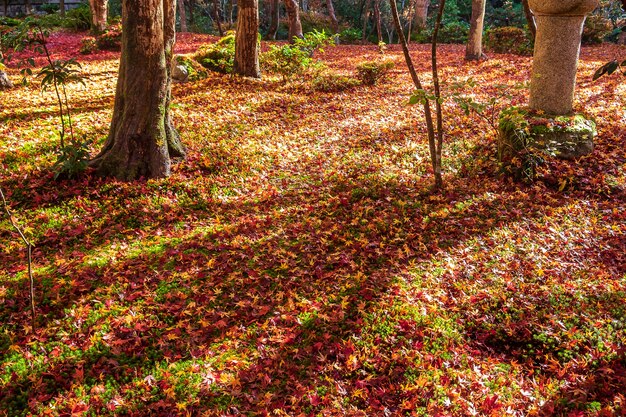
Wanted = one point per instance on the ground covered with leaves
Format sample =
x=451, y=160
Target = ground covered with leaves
x=298, y=263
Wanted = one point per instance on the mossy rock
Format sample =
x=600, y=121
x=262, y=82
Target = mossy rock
x=523, y=131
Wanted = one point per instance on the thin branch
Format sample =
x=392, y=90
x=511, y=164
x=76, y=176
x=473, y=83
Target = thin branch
x=29, y=246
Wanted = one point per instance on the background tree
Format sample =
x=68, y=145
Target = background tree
x=274, y=19
x=293, y=14
x=182, y=16
x=142, y=139
x=474, y=49
x=421, y=14
x=333, y=16
x=246, y=39
x=99, y=10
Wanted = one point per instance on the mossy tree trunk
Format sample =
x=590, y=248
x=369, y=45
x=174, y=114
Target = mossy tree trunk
x=142, y=139
x=99, y=10
x=474, y=49
x=246, y=39
x=293, y=13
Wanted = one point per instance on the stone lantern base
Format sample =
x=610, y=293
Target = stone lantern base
x=523, y=131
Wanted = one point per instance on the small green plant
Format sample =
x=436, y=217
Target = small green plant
x=72, y=159
x=333, y=83
x=453, y=32
x=509, y=40
x=218, y=57
x=372, y=72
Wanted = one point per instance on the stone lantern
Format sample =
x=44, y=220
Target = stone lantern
x=548, y=125
x=557, y=46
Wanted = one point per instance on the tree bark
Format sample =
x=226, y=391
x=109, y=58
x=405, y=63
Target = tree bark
x=231, y=8
x=274, y=20
x=293, y=13
x=421, y=14
x=366, y=18
x=379, y=30
x=29, y=7
x=216, y=18
x=246, y=39
x=192, y=16
x=530, y=19
x=142, y=139
x=61, y=7
x=474, y=49
x=99, y=10
x=182, y=16
x=333, y=16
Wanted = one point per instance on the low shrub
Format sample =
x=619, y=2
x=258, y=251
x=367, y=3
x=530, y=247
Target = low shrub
x=88, y=45
x=596, y=29
x=49, y=8
x=78, y=18
x=334, y=83
x=218, y=57
x=195, y=71
x=350, y=35
x=314, y=21
x=509, y=40
x=372, y=72
x=454, y=32
x=290, y=60
x=111, y=38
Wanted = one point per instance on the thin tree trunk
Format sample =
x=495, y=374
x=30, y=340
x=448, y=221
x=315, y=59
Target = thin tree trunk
x=191, y=14
x=29, y=7
x=332, y=15
x=142, y=139
x=274, y=19
x=379, y=31
x=474, y=49
x=216, y=17
x=182, y=16
x=231, y=8
x=434, y=138
x=6, y=7
x=293, y=13
x=439, y=144
x=246, y=39
x=99, y=10
x=530, y=18
x=61, y=7
x=366, y=18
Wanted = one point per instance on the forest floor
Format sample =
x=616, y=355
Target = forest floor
x=297, y=263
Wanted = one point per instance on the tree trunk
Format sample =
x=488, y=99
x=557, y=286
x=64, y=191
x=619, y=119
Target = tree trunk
x=29, y=7
x=379, y=30
x=216, y=18
x=6, y=7
x=61, y=7
x=98, y=15
x=474, y=49
x=530, y=19
x=366, y=18
x=182, y=16
x=231, y=8
x=333, y=16
x=293, y=13
x=142, y=139
x=5, y=82
x=246, y=39
x=421, y=14
x=192, y=16
x=274, y=20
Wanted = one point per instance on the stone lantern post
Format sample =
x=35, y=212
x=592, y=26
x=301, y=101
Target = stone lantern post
x=548, y=127
x=557, y=46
